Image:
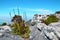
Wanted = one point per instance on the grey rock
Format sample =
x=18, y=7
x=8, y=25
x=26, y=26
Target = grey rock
x=10, y=37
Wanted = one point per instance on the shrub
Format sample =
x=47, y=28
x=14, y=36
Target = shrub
x=21, y=28
x=51, y=19
x=4, y=23
x=57, y=12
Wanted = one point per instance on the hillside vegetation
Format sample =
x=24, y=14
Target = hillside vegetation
x=51, y=19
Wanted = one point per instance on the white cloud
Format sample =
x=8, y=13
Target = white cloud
x=42, y=11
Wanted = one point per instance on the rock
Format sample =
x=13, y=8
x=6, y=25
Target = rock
x=10, y=37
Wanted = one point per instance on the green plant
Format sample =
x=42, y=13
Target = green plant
x=51, y=19
x=4, y=23
x=57, y=12
x=21, y=28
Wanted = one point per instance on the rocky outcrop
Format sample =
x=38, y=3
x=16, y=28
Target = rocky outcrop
x=45, y=32
x=8, y=36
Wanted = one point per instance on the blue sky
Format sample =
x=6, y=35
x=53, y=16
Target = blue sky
x=31, y=7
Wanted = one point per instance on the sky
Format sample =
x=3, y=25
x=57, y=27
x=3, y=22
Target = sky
x=30, y=7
